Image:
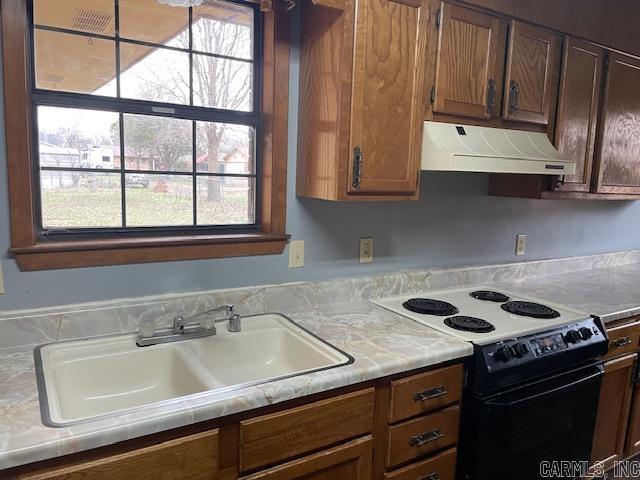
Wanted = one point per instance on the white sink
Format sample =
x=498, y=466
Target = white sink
x=87, y=379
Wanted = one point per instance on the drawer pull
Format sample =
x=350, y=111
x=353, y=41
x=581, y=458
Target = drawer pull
x=426, y=437
x=431, y=476
x=621, y=342
x=431, y=393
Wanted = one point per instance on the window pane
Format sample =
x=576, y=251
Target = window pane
x=95, y=16
x=222, y=83
x=155, y=74
x=80, y=199
x=71, y=137
x=225, y=148
x=75, y=63
x=158, y=143
x=159, y=200
x=225, y=200
x=152, y=22
x=224, y=29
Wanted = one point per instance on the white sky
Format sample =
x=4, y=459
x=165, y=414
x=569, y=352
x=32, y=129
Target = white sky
x=162, y=64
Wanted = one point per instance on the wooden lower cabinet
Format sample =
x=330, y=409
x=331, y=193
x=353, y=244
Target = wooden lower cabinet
x=423, y=435
x=613, y=410
x=272, y=438
x=351, y=461
x=194, y=457
x=632, y=443
x=439, y=467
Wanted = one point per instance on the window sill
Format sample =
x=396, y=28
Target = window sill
x=92, y=253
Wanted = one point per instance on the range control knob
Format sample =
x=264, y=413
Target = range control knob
x=505, y=353
x=521, y=349
x=572, y=336
x=585, y=333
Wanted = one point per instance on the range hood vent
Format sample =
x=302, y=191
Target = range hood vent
x=463, y=148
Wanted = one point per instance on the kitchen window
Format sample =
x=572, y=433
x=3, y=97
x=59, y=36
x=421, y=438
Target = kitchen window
x=138, y=131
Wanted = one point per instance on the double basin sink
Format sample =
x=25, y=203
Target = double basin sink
x=100, y=377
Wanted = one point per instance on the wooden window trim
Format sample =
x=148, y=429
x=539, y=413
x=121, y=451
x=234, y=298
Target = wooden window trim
x=32, y=253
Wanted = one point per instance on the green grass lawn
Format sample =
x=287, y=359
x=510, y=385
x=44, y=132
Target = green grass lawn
x=100, y=207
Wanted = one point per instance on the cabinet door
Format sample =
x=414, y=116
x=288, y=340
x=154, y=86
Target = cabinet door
x=618, y=159
x=632, y=444
x=580, y=86
x=469, y=63
x=188, y=458
x=351, y=461
x=532, y=72
x=388, y=96
x=613, y=411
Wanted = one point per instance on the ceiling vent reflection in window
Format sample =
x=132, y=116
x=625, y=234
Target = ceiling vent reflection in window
x=94, y=21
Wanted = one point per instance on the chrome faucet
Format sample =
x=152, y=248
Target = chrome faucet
x=185, y=327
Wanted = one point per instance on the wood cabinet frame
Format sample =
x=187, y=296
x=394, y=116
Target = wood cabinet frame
x=32, y=253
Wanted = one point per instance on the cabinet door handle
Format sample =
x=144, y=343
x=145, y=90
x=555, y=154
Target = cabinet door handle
x=426, y=437
x=491, y=96
x=514, y=94
x=431, y=393
x=356, y=174
x=621, y=342
x=431, y=476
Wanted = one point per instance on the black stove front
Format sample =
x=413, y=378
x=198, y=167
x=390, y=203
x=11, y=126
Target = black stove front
x=531, y=400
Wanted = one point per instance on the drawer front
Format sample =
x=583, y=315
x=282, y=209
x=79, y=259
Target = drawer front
x=189, y=458
x=425, y=392
x=440, y=467
x=272, y=438
x=623, y=339
x=423, y=435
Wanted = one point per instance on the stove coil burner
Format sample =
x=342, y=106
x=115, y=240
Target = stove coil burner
x=530, y=309
x=427, y=306
x=490, y=296
x=469, y=324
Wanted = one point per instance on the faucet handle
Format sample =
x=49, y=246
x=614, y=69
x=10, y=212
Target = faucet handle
x=146, y=328
x=235, y=323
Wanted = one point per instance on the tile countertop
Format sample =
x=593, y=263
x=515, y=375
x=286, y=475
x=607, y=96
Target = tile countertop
x=612, y=293
x=381, y=342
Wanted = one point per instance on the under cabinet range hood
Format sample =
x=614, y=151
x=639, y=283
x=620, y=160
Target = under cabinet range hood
x=464, y=148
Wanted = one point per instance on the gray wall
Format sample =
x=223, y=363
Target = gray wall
x=454, y=223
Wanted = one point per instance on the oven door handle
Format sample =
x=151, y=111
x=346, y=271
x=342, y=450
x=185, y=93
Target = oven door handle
x=497, y=403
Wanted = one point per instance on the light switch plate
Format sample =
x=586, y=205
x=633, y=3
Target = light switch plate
x=1, y=281
x=366, y=250
x=521, y=244
x=296, y=254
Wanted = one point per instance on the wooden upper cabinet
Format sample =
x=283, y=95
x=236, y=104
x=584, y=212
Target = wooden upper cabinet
x=618, y=159
x=469, y=63
x=388, y=93
x=362, y=99
x=533, y=64
x=577, y=117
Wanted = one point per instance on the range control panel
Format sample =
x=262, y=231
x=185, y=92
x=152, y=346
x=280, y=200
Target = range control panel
x=528, y=348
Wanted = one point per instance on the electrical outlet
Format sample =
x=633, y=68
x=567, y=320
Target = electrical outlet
x=366, y=250
x=521, y=244
x=296, y=254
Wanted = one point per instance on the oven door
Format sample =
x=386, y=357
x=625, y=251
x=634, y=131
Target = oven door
x=507, y=435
